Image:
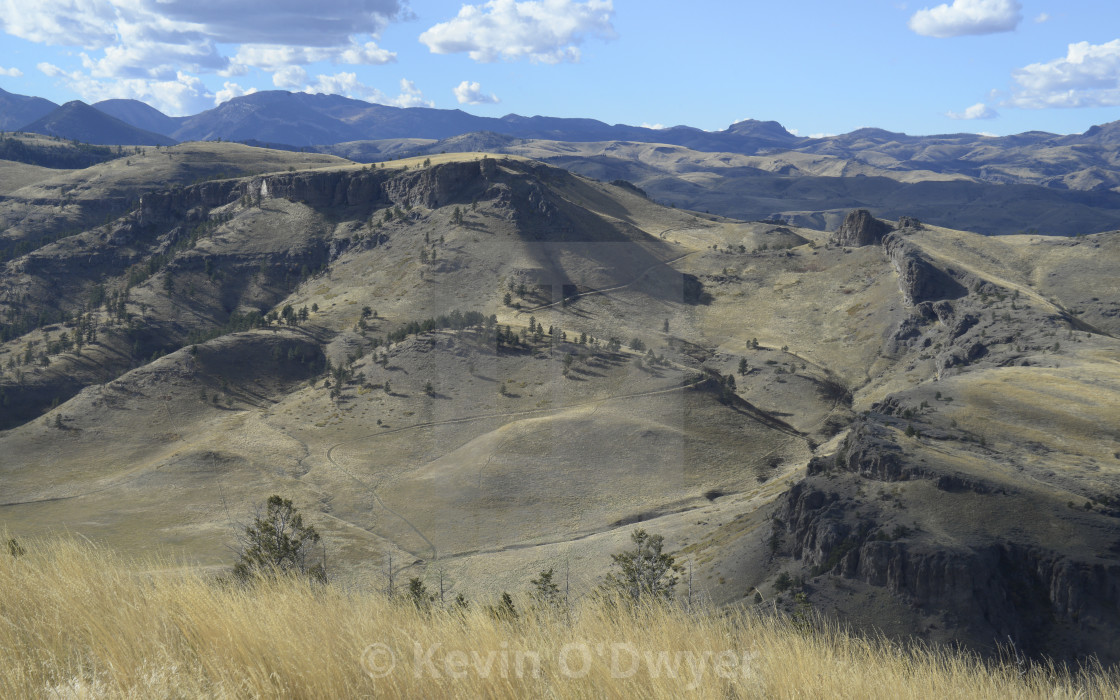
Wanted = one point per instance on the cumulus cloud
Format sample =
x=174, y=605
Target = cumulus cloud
x=50, y=70
x=544, y=31
x=180, y=94
x=229, y=91
x=965, y=17
x=647, y=125
x=367, y=54
x=1042, y=17
x=11, y=72
x=347, y=84
x=290, y=77
x=272, y=57
x=410, y=96
x=61, y=22
x=976, y=111
x=1088, y=76
x=468, y=93
x=128, y=42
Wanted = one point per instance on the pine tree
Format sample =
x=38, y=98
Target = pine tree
x=545, y=590
x=644, y=572
x=505, y=609
x=727, y=390
x=418, y=594
x=279, y=543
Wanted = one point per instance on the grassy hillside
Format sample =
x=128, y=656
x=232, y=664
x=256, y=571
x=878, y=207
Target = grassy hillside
x=483, y=366
x=80, y=620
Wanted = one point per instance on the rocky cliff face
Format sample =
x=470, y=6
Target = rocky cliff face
x=442, y=184
x=430, y=187
x=983, y=590
x=187, y=202
x=918, y=280
x=860, y=228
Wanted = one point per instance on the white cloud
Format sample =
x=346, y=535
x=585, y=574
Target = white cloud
x=11, y=72
x=229, y=91
x=1042, y=17
x=274, y=57
x=468, y=93
x=821, y=134
x=965, y=17
x=290, y=77
x=367, y=54
x=50, y=70
x=1088, y=76
x=545, y=31
x=149, y=44
x=347, y=84
x=180, y=94
x=61, y=22
x=646, y=125
x=410, y=96
x=976, y=111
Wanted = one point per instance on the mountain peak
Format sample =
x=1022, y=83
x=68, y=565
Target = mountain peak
x=17, y=110
x=140, y=115
x=78, y=120
x=755, y=127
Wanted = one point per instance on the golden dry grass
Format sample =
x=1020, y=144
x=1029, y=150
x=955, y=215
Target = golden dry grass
x=77, y=620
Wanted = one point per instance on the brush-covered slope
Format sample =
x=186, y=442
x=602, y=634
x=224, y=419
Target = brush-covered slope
x=483, y=367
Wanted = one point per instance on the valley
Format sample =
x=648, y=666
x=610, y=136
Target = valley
x=480, y=365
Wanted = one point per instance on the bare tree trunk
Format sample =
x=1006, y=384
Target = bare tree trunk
x=390, y=575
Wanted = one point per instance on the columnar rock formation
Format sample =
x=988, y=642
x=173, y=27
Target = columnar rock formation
x=860, y=228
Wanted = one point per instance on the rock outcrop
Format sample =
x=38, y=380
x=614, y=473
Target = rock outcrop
x=431, y=187
x=983, y=590
x=860, y=228
x=918, y=280
x=441, y=184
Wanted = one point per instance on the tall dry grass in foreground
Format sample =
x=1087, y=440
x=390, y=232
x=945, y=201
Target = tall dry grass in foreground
x=80, y=621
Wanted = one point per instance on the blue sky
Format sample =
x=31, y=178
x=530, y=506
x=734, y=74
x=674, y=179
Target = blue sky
x=992, y=66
